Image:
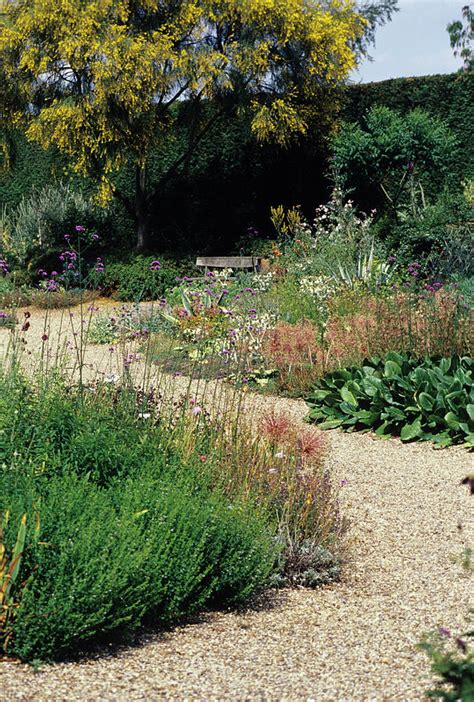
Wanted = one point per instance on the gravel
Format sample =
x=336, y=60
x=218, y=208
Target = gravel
x=354, y=640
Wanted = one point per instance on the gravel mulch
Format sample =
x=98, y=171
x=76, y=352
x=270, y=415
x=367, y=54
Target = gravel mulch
x=355, y=640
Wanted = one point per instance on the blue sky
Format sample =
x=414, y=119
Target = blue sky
x=414, y=43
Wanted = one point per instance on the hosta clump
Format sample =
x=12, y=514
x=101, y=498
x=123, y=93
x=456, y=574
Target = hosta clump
x=429, y=399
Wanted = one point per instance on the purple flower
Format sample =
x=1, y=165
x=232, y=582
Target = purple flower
x=129, y=359
x=3, y=265
x=442, y=631
x=79, y=228
x=54, y=273
x=3, y=315
x=95, y=237
x=99, y=266
x=155, y=266
x=210, y=274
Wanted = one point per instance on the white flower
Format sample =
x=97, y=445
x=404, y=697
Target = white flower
x=111, y=378
x=144, y=415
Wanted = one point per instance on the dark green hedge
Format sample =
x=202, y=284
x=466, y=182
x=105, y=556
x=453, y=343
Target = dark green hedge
x=233, y=181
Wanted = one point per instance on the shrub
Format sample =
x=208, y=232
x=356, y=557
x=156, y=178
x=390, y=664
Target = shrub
x=147, y=546
x=429, y=399
x=135, y=280
x=439, y=232
x=132, y=526
x=33, y=232
x=390, y=155
x=150, y=511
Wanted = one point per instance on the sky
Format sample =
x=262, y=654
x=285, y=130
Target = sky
x=414, y=43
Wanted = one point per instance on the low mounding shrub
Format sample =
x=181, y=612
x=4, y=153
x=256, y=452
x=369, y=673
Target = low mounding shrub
x=147, y=546
x=137, y=511
x=138, y=279
x=432, y=398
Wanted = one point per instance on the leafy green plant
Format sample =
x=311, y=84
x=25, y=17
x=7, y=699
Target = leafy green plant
x=452, y=659
x=135, y=279
x=391, y=156
x=429, y=399
x=151, y=546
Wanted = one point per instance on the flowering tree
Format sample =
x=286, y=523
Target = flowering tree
x=101, y=80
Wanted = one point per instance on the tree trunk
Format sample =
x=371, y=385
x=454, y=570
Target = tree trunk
x=141, y=210
x=142, y=233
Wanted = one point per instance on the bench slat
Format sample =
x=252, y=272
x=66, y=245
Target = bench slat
x=228, y=261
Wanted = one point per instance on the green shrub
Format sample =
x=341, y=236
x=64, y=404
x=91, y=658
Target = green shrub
x=432, y=398
x=145, y=546
x=133, y=280
x=97, y=435
x=132, y=523
x=441, y=233
x=389, y=156
x=33, y=232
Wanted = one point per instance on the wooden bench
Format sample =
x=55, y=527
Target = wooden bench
x=240, y=262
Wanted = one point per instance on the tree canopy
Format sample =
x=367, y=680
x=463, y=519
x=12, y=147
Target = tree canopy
x=101, y=80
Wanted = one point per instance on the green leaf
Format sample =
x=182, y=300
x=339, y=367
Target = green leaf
x=187, y=303
x=331, y=424
x=395, y=413
x=411, y=431
x=451, y=420
x=392, y=369
x=425, y=401
x=347, y=396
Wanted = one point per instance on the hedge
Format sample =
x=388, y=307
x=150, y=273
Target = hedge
x=233, y=181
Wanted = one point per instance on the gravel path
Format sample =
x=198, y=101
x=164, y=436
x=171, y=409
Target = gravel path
x=351, y=641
